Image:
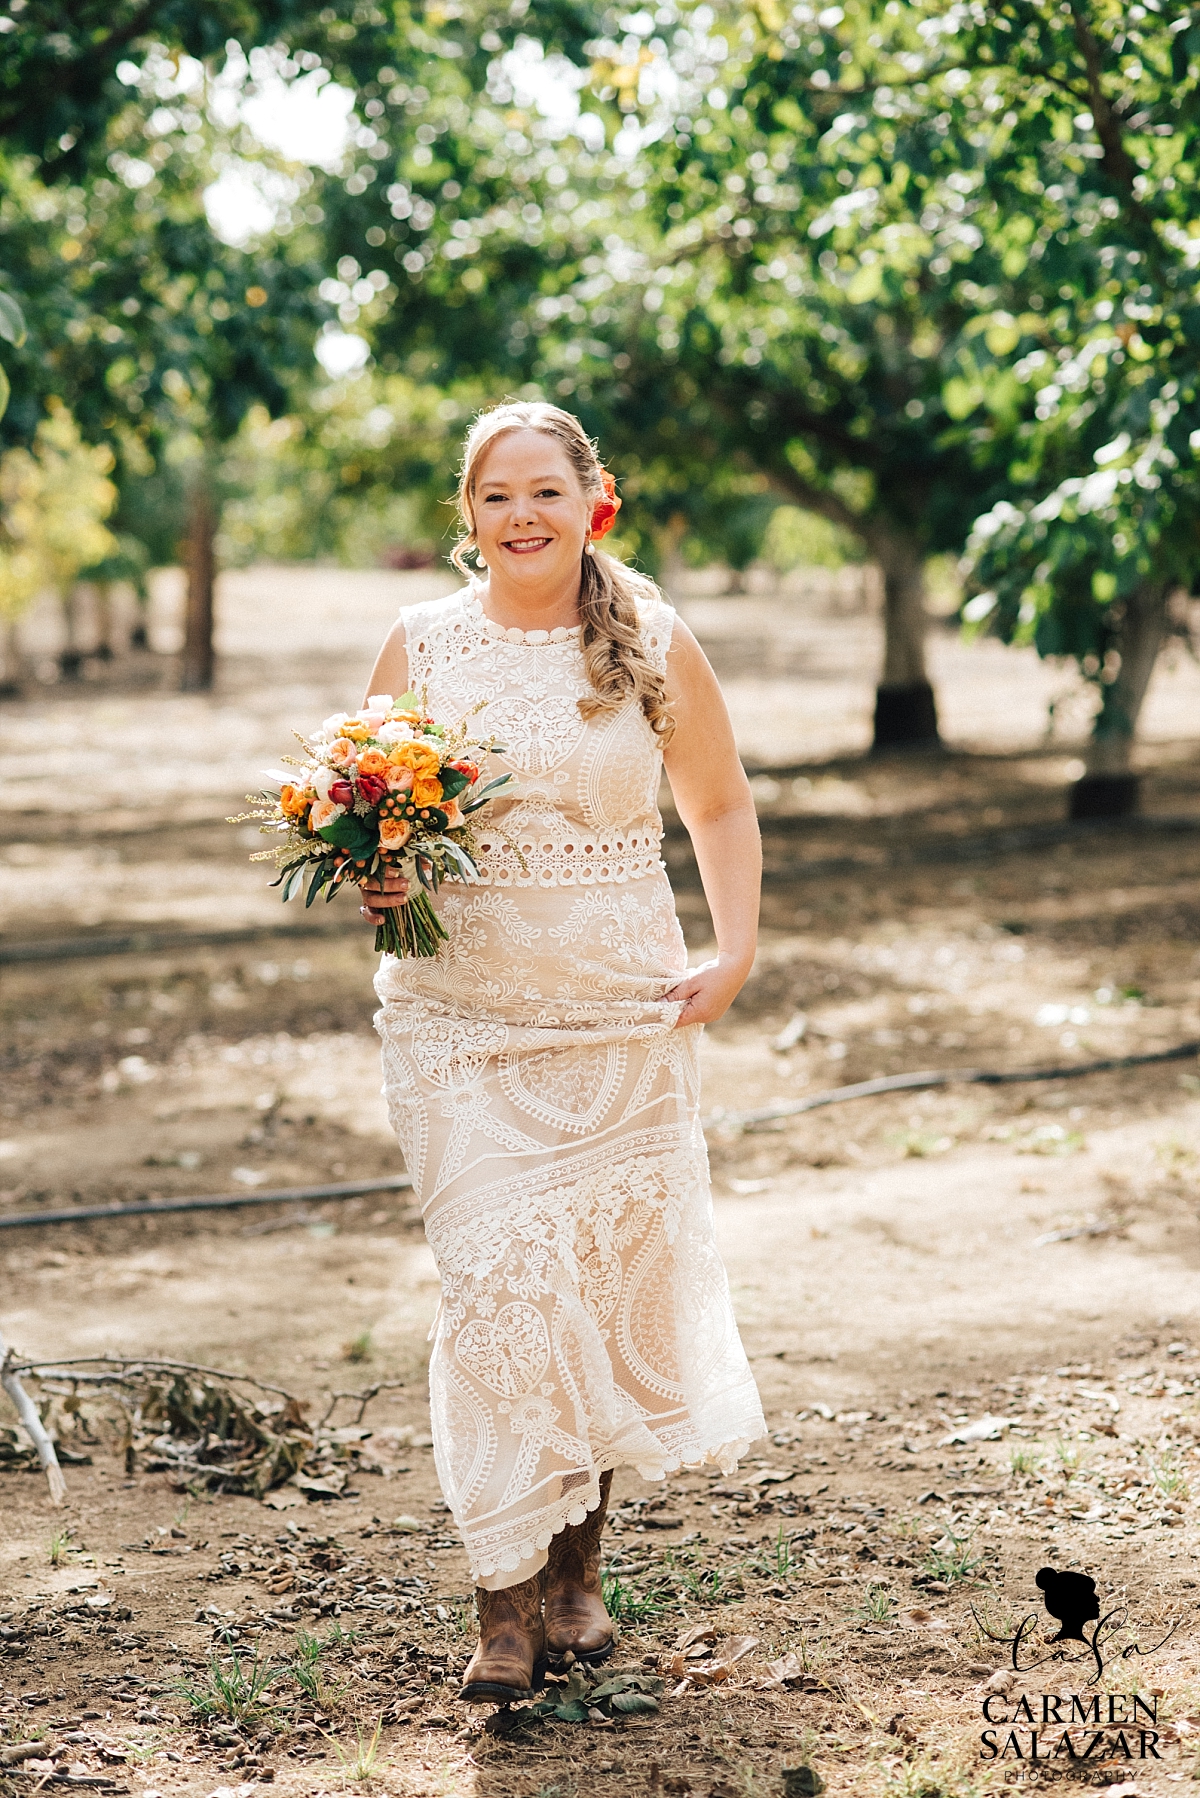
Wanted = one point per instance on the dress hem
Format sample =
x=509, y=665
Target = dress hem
x=498, y=1575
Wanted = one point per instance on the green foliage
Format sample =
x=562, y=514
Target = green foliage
x=951, y=1560
x=54, y=499
x=623, y=1604
x=231, y=1690
x=795, y=538
x=583, y=1699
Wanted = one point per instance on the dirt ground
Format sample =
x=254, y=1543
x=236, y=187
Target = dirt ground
x=973, y=1312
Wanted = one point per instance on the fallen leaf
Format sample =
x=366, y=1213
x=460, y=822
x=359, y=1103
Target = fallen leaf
x=918, y=1619
x=734, y=1649
x=701, y=1632
x=284, y=1499
x=409, y=1526
x=986, y=1429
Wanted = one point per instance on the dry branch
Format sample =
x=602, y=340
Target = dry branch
x=27, y=1412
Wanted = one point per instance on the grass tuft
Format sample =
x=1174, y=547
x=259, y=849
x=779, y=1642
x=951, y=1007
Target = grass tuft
x=232, y=1691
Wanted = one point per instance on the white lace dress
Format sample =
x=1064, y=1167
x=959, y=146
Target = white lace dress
x=547, y=1109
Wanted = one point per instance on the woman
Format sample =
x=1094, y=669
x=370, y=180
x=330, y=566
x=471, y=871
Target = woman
x=541, y=1071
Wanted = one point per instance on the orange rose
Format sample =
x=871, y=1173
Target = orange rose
x=417, y=756
x=394, y=833
x=372, y=761
x=427, y=789
x=604, y=513
x=454, y=816
x=293, y=802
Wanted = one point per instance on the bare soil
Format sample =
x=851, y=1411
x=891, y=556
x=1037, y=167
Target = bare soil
x=1014, y=1265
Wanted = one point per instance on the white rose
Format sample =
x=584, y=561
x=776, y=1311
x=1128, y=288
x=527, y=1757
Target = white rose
x=394, y=732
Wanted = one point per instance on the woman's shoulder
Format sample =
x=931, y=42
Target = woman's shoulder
x=430, y=615
x=656, y=621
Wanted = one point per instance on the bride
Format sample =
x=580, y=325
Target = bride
x=542, y=1070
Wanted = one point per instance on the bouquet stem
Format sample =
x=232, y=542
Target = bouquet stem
x=410, y=929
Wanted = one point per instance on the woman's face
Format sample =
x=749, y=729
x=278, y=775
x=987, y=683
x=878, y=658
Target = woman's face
x=531, y=517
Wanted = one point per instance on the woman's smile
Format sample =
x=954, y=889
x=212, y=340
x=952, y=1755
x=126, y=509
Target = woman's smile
x=524, y=546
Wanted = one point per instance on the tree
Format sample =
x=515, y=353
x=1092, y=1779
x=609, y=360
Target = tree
x=54, y=501
x=769, y=302
x=1103, y=522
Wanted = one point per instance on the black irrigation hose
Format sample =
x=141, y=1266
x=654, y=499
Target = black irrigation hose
x=283, y=1195
x=899, y=1083
x=157, y=942
x=739, y=1120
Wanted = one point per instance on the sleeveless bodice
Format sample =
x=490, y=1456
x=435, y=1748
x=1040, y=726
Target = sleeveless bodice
x=583, y=809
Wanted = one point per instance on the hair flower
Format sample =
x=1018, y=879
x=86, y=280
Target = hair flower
x=604, y=512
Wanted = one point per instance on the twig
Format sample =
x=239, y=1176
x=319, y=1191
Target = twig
x=899, y=1083
x=362, y=1399
x=129, y=1368
x=27, y=1412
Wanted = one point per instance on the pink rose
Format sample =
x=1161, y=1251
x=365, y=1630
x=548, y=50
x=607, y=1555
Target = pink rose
x=453, y=816
x=323, y=813
x=342, y=752
x=400, y=780
x=394, y=833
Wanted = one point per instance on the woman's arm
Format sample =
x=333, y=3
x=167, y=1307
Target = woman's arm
x=389, y=675
x=713, y=798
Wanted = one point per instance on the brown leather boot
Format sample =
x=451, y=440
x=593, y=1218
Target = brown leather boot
x=511, y=1657
x=576, y=1620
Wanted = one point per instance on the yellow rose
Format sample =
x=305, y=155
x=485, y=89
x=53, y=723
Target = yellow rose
x=426, y=790
x=417, y=756
x=356, y=730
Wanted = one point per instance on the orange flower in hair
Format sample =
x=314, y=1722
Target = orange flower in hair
x=604, y=513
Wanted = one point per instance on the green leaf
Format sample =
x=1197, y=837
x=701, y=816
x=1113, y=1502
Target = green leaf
x=5, y=390
x=350, y=833
x=573, y=1711
x=322, y=874
x=633, y=1703
x=866, y=284
x=960, y=397
x=453, y=781
x=12, y=320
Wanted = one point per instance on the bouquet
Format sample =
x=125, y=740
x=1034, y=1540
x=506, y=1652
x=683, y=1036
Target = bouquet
x=382, y=788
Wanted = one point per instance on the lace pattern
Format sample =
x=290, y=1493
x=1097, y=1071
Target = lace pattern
x=585, y=804
x=547, y=1108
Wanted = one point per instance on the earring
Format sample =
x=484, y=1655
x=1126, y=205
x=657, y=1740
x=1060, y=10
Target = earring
x=589, y=548
x=479, y=561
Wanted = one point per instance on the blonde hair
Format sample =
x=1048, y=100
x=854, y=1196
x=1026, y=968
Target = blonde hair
x=609, y=593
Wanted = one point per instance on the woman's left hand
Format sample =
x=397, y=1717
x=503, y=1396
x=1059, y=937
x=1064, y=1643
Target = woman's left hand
x=708, y=991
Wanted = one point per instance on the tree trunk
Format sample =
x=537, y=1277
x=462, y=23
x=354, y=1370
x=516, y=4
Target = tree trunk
x=905, y=707
x=104, y=621
x=10, y=679
x=196, y=674
x=1109, y=789
x=70, y=661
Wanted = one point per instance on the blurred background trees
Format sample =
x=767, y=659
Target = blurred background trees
x=885, y=281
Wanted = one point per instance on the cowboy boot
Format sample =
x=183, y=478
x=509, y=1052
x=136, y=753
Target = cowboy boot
x=510, y=1659
x=576, y=1620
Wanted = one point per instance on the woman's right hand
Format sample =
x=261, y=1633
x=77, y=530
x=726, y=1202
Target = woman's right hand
x=380, y=896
